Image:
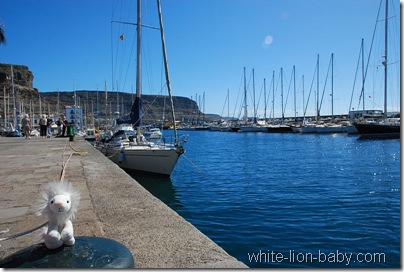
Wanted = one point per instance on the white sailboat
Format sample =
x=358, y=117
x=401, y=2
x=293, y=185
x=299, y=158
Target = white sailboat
x=282, y=127
x=129, y=149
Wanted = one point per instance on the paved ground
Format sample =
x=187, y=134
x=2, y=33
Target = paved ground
x=113, y=205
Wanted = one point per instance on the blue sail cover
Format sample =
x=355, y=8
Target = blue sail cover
x=135, y=116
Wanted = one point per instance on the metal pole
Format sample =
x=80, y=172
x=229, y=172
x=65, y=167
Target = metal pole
x=5, y=105
x=75, y=107
x=167, y=73
x=332, y=85
x=294, y=88
x=14, y=98
x=385, y=59
x=283, y=115
x=245, y=100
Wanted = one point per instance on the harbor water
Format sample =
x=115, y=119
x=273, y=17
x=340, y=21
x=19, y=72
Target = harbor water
x=290, y=200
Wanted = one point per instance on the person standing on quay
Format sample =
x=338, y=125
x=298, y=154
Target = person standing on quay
x=42, y=124
x=49, y=123
x=64, y=123
x=26, y=125
x=59, y=124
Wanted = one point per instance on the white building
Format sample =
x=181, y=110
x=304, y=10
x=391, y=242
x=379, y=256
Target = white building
x=75, y=116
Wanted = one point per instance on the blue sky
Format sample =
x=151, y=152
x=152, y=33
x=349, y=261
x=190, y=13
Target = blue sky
x=208, y=43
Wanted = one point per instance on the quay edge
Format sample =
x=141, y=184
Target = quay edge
x=113, y=205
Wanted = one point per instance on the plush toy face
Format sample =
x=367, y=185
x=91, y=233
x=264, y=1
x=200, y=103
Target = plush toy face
x=60, y=204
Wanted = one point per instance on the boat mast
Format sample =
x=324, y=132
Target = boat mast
x=40, y=106
x=203, y=107
x=228, y=103
x=164, y=110
x=166, y=71
x=363, y=78
x=75, y=107
x=265, y=104
x=57, y=105
x=318, y=87
x=303, y=91
x=273, y=97
x=283, y=115
x=14, y=98
x=138, y=61
x=255, y=106
x=385, y=59
x=5, y=105
x=294, y=89
x=332, y=85
x=245, y=100
x=106, y=101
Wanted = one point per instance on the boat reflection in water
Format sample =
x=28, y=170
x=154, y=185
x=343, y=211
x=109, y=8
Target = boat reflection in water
x=160, y=187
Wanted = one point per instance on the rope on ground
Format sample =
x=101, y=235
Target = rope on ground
x=78, y=152
x=62, y=175
x=21, y=233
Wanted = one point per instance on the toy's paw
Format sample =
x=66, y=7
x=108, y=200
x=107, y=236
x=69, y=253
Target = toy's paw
x=69, y=242
x=53, y=236
x=67, y=238
x=53, y=242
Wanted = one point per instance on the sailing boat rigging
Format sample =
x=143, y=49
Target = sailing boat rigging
x=255, y=126
x=387, y=127
x=131, y=150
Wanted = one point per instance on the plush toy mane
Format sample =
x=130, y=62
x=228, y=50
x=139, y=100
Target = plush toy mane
x=59, y=188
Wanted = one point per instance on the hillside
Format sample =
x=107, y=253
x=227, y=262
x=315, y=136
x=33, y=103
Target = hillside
x=28, y=100
x=107, y=106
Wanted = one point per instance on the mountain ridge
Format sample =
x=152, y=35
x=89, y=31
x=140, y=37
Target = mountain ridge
x=109, y=103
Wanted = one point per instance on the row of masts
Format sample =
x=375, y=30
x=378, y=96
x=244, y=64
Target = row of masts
x=318, y=101
x=284, y=103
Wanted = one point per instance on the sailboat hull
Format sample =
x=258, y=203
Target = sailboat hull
x=253, y=129
x=144, y=159
x=378, y=130
x=279, y=129
x=331, y=129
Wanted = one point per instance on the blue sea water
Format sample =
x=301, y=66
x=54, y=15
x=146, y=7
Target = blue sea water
x=290, y=200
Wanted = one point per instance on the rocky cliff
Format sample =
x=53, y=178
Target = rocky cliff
x=23, y=81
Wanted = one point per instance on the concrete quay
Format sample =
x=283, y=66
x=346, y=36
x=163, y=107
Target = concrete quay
x=113, y=205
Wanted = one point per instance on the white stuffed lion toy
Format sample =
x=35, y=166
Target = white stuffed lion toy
x=59, y=203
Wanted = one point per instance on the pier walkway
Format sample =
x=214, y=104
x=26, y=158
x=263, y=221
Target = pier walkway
x=113, y=205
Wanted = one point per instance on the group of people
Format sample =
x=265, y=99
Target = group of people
x=45, y=125
x=62, y=124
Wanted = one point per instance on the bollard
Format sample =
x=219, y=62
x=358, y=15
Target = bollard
x=70, y=132
x=87, y=252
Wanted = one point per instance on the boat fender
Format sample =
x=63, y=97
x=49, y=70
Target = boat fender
x=121, y=156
